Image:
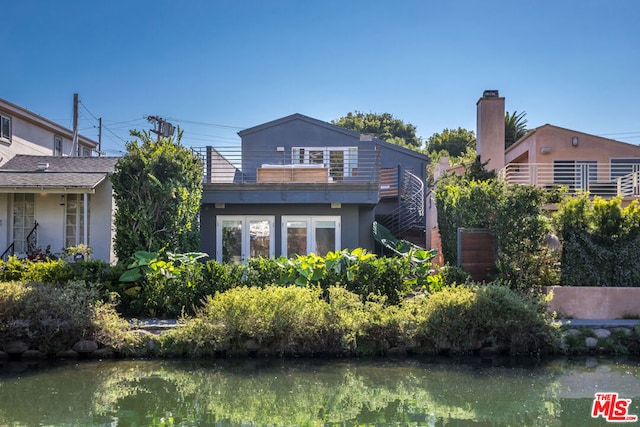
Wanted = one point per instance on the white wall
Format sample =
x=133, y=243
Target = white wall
x=101, y=231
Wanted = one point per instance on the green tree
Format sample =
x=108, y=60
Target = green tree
x=383, y=126
x=157, y=189
x=515, y=126
x=454, y=141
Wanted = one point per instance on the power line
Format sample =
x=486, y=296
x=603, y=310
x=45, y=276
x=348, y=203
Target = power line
x=206, y=124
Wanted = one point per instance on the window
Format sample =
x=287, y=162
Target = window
x=341, y=161
x=23, y=222
x=623, y=167
x=303, y=235
x=57, y=146
x=5, y=127
x=576, y=174
x=241, y=237
x=74, y=220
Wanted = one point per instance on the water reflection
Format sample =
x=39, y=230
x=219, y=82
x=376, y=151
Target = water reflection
x=311, y=393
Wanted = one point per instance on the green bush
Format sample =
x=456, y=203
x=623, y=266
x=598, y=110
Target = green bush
x=52, y=318
x=514, y=215
x=278, y=320
x=464, y=319
x=600, y=242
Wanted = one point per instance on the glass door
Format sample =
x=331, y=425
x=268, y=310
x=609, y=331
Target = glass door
x=241, y=237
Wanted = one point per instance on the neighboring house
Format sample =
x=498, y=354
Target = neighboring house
x=550, y=156
x=56, y=202
x=298, y=185
x=24, y=132
x=53, y=193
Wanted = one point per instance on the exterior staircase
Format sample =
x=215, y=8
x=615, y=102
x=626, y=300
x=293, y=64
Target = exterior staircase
x=407, y=221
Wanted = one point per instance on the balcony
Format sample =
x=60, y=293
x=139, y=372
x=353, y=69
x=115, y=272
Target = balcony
x=600, y=179
x=335, y=174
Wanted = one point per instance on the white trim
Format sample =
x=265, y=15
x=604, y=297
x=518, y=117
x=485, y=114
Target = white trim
x=245, y=221
x=311, y=225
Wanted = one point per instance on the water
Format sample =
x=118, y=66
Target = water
x=312, y=393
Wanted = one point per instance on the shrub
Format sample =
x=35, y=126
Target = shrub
x=601, y=242
x=281, y=320
x=463, y=319
x=513, y=213
x=52, y=318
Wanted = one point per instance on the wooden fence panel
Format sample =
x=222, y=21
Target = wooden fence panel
x=476, y=252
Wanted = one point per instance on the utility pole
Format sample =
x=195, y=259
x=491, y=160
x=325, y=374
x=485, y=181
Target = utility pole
x=100, y=137
x=161, y=127
x=74, y=143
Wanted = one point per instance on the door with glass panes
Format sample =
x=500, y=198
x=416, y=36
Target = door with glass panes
x=241, y=237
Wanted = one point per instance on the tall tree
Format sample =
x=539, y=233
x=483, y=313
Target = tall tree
x=157, y=189
x=383, y=126
x=515, y=126
x=454, y=141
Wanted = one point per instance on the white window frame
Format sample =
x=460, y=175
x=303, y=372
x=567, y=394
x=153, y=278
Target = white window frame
x=350, y=157
x=57, y=150
x=27, y=212
x=245, y=236
x=81, y=226
x=310, y=222
x=5, y=136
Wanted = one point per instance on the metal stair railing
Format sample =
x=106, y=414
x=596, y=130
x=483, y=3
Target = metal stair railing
x=410, y=212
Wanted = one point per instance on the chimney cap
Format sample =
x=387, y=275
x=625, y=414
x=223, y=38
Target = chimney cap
x=490, y=94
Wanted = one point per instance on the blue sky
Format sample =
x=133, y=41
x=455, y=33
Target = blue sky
x=214, y=67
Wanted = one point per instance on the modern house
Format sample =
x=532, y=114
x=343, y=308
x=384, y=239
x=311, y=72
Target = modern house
x=24, y=132
x=53, y=193
x=550, y=156
x=298, y=185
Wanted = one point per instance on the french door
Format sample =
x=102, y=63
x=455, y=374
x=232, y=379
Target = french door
x=241, y=237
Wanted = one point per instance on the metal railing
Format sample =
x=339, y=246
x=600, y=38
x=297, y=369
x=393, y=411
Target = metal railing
x=602, y=179
x=31, y=243
x=410, y=212
x=332, y=165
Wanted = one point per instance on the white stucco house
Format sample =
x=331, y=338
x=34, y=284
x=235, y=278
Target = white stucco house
x=53, y=193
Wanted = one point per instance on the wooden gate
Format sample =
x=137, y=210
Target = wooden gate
x=477, y=252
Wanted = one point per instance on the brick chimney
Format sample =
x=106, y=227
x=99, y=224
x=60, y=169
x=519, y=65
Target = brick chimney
x=490, y=130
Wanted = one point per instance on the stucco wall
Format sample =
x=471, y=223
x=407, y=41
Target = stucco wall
x=559, y=140
x=588, y=302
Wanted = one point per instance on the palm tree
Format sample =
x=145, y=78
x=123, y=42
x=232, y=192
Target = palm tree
x=515, y=126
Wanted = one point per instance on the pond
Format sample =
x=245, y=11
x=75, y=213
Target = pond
x=434, y=392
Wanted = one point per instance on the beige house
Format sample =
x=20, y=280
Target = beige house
x=53, y=193
x=24, y=132
x=550, y=156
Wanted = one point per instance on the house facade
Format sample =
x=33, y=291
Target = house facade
x=24, y=132
x=53, y=192
x=550, y=156
x=56, y=202
x=298, y=185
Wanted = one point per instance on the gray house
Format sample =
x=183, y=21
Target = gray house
x=298, y=185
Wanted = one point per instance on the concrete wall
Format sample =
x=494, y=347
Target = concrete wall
x=589, y=302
